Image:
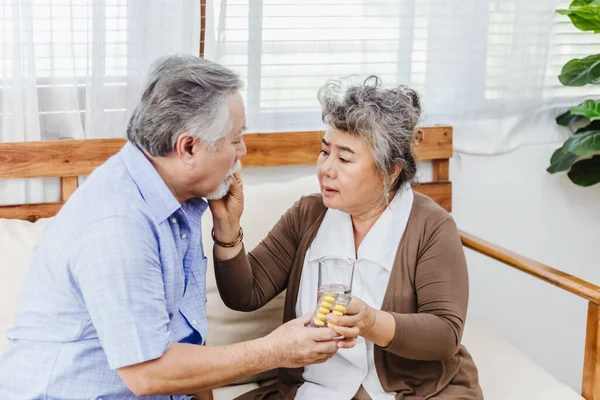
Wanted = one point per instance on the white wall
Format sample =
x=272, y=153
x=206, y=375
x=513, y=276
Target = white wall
x=511, y=200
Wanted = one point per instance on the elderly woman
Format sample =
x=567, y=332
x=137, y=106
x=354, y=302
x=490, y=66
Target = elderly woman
x=404, y=325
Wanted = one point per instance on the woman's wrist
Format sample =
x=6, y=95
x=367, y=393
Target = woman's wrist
x=226, y=232
x=383, y=328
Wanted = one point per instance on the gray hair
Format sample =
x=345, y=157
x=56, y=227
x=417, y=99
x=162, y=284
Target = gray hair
x=182, y=94
x=386, y=118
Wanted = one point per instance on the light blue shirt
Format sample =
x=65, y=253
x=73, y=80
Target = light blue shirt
x=118, y=276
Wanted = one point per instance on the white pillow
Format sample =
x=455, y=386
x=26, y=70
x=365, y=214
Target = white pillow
x=17, y=240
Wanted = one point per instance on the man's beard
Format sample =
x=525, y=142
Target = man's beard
x=223, y=188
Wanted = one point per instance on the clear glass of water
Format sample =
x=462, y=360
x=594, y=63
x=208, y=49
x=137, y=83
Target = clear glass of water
x=335, y=287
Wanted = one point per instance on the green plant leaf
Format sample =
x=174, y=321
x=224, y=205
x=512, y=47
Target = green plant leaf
x=575, y=147
x=592, y=126
x=586, y=172
x=584, y=18
x=589, y=109
x=581, y=71
x=568, y=119
x=561, y=161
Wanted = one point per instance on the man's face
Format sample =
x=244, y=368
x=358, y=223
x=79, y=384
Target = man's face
x=213, y=170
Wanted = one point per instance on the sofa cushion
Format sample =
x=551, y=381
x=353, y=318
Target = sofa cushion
x=17, y=240
x=507, y=373
x=233, y=391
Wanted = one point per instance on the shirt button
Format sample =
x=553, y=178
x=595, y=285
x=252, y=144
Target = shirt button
x=174, y=220
x=194, y=322
x=183, y=236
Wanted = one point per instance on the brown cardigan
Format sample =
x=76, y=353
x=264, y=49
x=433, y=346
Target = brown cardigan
x=427, y=294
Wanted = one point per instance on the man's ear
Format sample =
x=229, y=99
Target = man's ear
x=184, y=146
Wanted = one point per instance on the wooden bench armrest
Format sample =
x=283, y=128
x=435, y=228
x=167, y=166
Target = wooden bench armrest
x=590, y=388
x=565, y=281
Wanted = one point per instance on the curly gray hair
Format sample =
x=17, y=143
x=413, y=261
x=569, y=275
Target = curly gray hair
x=182, y=94
x=386, y=118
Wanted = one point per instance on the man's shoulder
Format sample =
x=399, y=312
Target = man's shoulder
x=108, y=192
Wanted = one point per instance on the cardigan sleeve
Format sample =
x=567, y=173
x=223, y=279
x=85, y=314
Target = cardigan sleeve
x=247, y=282
x=434, y=332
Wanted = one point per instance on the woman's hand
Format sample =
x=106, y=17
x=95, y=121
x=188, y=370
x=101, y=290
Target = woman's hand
x=360, y=319
x=227, y=211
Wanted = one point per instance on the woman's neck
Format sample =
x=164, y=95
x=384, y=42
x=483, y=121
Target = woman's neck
x=363, y=222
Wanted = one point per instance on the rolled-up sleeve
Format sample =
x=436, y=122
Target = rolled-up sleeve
x=115, y=263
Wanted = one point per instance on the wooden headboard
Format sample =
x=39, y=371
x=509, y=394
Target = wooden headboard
x=69, y=159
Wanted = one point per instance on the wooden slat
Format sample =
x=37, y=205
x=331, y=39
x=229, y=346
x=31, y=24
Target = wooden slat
x=275, y=149
x=296, y=148
x=440, y=192
x=436, y=144
x=441, y=170
x=30, y=212
x=553, y=276
x=80, y=157
x=202, y=26
x=55, y=158
x=68, y=185
x=590, y=387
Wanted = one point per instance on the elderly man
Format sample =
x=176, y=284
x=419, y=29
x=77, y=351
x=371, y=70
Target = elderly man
x=114, y=304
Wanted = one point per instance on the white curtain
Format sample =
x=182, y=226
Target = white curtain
x=74, y=69
x=487, y=67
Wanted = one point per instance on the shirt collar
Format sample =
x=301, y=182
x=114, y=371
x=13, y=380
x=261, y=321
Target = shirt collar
x=157, y=195
x=335, y=236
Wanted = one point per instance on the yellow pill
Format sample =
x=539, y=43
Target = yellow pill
x=321, y=316
x=326, y=304
x=340, y=307
x=338, y=313
x=329, y=299
x=330, y=325
x=318, y=322
x=324, y=310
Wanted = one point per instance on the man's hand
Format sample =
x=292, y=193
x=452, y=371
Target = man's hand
x=294, y=345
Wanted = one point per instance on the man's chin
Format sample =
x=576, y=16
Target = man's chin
x=220, y=192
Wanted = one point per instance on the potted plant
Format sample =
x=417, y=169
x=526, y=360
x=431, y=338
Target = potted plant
x=580, y=153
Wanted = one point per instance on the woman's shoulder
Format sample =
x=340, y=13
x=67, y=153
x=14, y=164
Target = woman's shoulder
x=306, y=211
x=310, y=206
x=429, y=214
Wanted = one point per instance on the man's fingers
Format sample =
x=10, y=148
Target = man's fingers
x=304, y=320
x=323, y=334
x=347, y=344
x=327, y=347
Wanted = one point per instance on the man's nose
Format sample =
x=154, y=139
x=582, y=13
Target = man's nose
x=241, y=150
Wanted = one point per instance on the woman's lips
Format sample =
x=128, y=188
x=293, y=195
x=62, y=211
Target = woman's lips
x=329, y=191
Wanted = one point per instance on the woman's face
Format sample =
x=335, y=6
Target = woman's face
x=347, y=174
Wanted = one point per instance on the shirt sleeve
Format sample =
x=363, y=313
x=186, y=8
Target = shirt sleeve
x=116, y=265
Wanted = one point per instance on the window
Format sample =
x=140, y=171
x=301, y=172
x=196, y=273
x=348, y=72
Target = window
x=75, y=45
x=486, y=58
